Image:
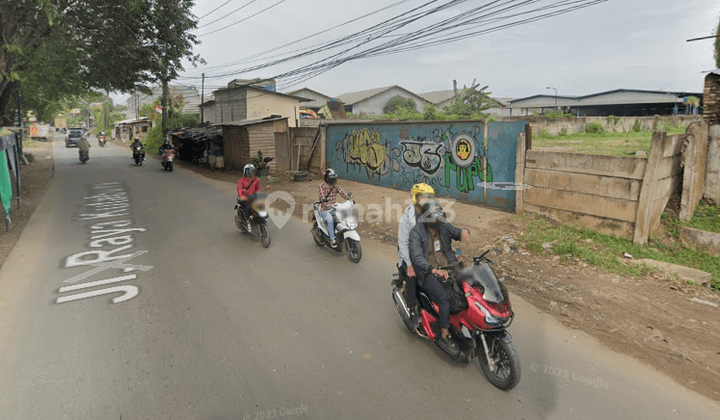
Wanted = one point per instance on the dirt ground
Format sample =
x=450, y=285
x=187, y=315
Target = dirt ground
x=35, y=180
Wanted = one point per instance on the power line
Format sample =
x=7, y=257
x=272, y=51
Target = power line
x=233, y=12
x=242, y=20
x=213, y=10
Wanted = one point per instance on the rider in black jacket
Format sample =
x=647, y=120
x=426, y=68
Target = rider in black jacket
x=430, y=248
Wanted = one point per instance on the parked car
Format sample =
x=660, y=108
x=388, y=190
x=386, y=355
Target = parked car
x=74, y=135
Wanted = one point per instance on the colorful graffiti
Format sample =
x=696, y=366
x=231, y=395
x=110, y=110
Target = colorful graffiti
x=455, y=159
x=364, y=149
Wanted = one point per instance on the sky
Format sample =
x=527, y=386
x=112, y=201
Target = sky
x=630, y=44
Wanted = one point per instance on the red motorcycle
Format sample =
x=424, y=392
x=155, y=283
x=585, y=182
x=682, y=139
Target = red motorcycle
x=167, y=159
x=479, y=317
x=101, y=139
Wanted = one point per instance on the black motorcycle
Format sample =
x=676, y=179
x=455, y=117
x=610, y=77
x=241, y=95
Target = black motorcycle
x=84, y=156
x=255, y=223
x=138, y=154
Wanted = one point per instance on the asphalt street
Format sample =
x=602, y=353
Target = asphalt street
x=209, y=325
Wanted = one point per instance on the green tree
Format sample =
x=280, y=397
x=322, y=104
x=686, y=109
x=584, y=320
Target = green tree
x=717, y=48
x=55, y=49
x=398, y=102
x=470, y=101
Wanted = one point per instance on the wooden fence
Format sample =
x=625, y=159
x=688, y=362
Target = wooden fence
x=624, y=196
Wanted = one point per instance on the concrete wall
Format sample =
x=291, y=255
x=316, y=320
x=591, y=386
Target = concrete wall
x=261, y=105
x=209, y=114
x=695, y=159
x=711, y=99
x=712, y=171
x=453, y=157
x=623, y=196
x=375, y=105
x=576, y=125
x=230, y=105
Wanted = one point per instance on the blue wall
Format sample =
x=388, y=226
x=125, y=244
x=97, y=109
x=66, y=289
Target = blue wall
x=450, y=156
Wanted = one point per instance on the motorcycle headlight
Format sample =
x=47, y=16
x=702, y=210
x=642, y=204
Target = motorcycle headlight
x=489, y=318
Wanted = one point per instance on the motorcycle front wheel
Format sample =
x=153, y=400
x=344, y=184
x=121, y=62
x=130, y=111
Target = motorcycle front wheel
x=170, y=166
x=264, y=235
x=353, y=250
x=506, y=373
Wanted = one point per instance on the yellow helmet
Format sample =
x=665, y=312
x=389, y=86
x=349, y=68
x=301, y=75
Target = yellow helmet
x=421, y=189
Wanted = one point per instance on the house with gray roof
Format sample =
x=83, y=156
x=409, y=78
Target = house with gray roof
x=372, y=101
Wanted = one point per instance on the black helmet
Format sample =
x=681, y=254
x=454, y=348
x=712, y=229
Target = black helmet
x=432, y=215
x=330, y=176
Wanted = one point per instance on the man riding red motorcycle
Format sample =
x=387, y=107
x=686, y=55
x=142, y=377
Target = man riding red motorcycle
x=247, y=186
x=430, y=248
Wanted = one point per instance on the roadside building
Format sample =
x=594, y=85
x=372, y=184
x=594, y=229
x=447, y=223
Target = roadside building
x=372, y=101
x=243, y=139
x=618, y=102
x=240, y=101
x=317, y=99
x=128, y=129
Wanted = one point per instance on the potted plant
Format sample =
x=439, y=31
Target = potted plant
x=260, y=164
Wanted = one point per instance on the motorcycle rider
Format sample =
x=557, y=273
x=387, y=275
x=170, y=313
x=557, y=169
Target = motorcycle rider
x=137, y=143
x=165, y=146
x=430, y=247
x=247, y=186
x=84, y=146
x=329, y=190
x=421, y=193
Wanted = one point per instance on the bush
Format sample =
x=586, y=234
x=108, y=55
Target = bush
x=557, y=115
x=397, y=103
x=637, y=126
x=594, y=128
x=154, y=140
x=431, y=113
x=563, y=131
x=30, y=157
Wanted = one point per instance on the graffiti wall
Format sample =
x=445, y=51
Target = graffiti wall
x=454, y=157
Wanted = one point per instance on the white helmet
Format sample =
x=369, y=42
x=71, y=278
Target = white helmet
x=249, y=170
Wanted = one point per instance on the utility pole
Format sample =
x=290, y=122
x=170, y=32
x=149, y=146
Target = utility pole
x=164, y=106
x=202, y=99
x=137, y=106
x=555, y=95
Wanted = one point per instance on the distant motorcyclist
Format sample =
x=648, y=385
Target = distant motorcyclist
x=135, y=144
x=247, y=186
x=329, y=190
x=84, y=146
x=421, y=194
x=430, y=248
x=165, y=146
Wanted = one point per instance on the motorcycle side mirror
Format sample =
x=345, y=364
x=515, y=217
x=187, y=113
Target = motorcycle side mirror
x=349, y=193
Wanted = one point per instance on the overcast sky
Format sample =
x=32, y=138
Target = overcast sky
x=634, y=44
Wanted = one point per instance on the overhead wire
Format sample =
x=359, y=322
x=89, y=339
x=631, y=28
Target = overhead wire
x=227, y=15
x=244, y=19
x=214, y=10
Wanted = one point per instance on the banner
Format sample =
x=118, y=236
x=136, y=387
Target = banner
x=5, y=185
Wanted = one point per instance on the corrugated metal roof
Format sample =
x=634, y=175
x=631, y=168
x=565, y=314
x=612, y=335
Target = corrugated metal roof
x=309, y=90
x=264, y=91
x=351, y=98
x=243, y=123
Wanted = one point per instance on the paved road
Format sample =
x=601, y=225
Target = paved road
x=222, y=329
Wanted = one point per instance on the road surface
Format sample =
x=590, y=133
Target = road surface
x=222, y=329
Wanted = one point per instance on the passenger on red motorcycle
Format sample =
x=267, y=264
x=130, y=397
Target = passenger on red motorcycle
x=247, y=186
x=430, y=248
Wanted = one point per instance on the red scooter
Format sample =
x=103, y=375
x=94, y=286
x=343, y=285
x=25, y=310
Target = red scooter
x=479, y=318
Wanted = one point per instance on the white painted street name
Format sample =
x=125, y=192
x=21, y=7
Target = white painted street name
x=108, y=242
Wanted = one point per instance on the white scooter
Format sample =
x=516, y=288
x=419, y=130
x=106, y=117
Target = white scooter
x=345, y=234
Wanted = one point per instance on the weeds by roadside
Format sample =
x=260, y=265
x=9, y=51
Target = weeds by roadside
x=706, y=217
x=606, y=251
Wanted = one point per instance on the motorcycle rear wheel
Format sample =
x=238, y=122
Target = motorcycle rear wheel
x=170, y=166
x=315, y=233
x=400, y=306
x=507, y=364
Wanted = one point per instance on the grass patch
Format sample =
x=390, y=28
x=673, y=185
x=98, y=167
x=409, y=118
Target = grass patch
x=606, y=251
x=30, y=144
x=706, y=217
x=606, y=143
